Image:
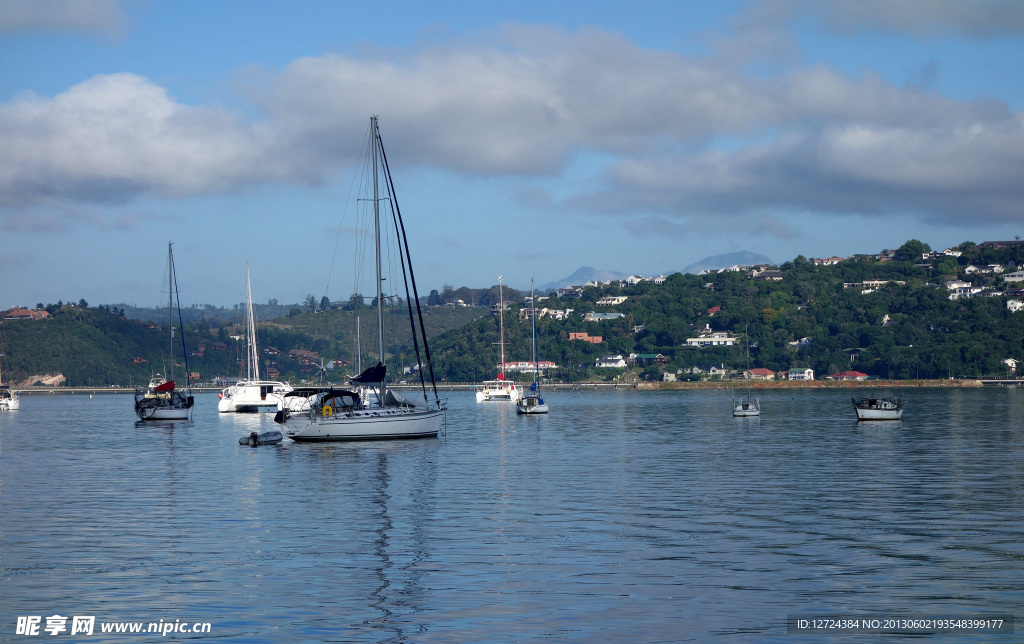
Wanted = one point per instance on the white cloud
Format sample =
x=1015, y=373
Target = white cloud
x=525, y=104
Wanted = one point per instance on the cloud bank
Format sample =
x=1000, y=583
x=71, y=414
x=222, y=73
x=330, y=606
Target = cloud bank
x=688, y=135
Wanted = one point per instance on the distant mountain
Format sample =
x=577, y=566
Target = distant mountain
x=582, y=275
x=715, y=262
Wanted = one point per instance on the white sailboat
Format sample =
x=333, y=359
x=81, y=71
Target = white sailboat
x=878, y=408
x=161, y=400
x=501, y=389
x=369, y=409
x=252, y=394
x=9, y=399
x=746, y=406
x=532, y=403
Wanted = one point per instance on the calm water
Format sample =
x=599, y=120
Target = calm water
x=621, y=516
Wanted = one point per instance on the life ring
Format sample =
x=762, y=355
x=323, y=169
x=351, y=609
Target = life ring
x=327, y=411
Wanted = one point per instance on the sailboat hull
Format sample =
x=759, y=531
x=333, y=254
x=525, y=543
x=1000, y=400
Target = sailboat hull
x=165, y=414
x=252, y=397
x=368, y=424
x=531, y=405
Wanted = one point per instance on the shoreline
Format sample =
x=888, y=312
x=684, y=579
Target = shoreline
x=639, y=386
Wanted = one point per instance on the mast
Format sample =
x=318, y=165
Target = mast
x=170, y=314
x=536, y=362
x=376, y=235
x=253, y=352
x=181, y=325
x=501, y=326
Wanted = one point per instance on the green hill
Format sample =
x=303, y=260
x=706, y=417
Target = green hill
x=888, y=316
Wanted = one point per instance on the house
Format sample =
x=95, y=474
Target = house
x=713, y=310
x=710, y=370
x=767, y=275
x=526, y=366
x=659, y=279
x=802, y=342
x=556, y=314
x=1012, y=364
x=612, y=300
x=828, y=261
x=271, y=351
x=601, y=317
x=800, y=373
x=712, y=339
x=646, y=358
x=1015, y=276
x=610, y=362
x=633, y=280
x=988, y=268
x=592, y=339
x=569, y=291
x=951, y=252
x=1014, y=305
x=639, y=328
x=760, y=373
x=220, y=346
x=848, y=375
x=21, y=313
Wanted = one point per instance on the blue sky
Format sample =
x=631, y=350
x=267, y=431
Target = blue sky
x=527, y=139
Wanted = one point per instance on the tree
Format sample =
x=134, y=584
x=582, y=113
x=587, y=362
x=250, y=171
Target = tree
x=355, y=302
x=325, y=303
x=309, y=303
x=913, y=250
x=434, y=299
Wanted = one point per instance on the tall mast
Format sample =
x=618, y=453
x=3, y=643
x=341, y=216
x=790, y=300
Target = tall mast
x=536, y=362
x=374, y=142
x=253, y=351
x=170, y=312
x=501, y=326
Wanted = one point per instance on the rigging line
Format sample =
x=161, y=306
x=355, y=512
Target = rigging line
x=181, y=327
x=415, y=294
x=337, y=242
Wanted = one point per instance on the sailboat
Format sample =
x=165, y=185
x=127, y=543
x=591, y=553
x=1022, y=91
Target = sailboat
x=9, y=399
x=161, y=400
x=747, y=406
x=252, y=394
x=501, y=389
x=532, y=403
x=369, y=409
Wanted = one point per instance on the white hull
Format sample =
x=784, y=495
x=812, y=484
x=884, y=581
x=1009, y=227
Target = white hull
x=366, y=424
x=157, y=413
x=878, y=408
x=253, y=397
x=748, y=408
x=879, y=414
x=501, y=390
x=531, y=405
x=10, y=404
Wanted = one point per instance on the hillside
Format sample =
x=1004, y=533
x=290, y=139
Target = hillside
x=821, y=317
x=96, y=347
x=891, y=315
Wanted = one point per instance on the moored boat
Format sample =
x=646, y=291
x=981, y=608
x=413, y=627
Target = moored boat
x=369, y=410
x=878, y=408
x=252, y=394
x=532, y=403
x=501, y=389
x=161, y=400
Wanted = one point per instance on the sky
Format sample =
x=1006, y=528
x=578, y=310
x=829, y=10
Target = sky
x=526, y=138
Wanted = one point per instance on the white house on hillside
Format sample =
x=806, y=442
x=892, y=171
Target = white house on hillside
x=610, y=362
x=800, y=374
x=714, y=339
